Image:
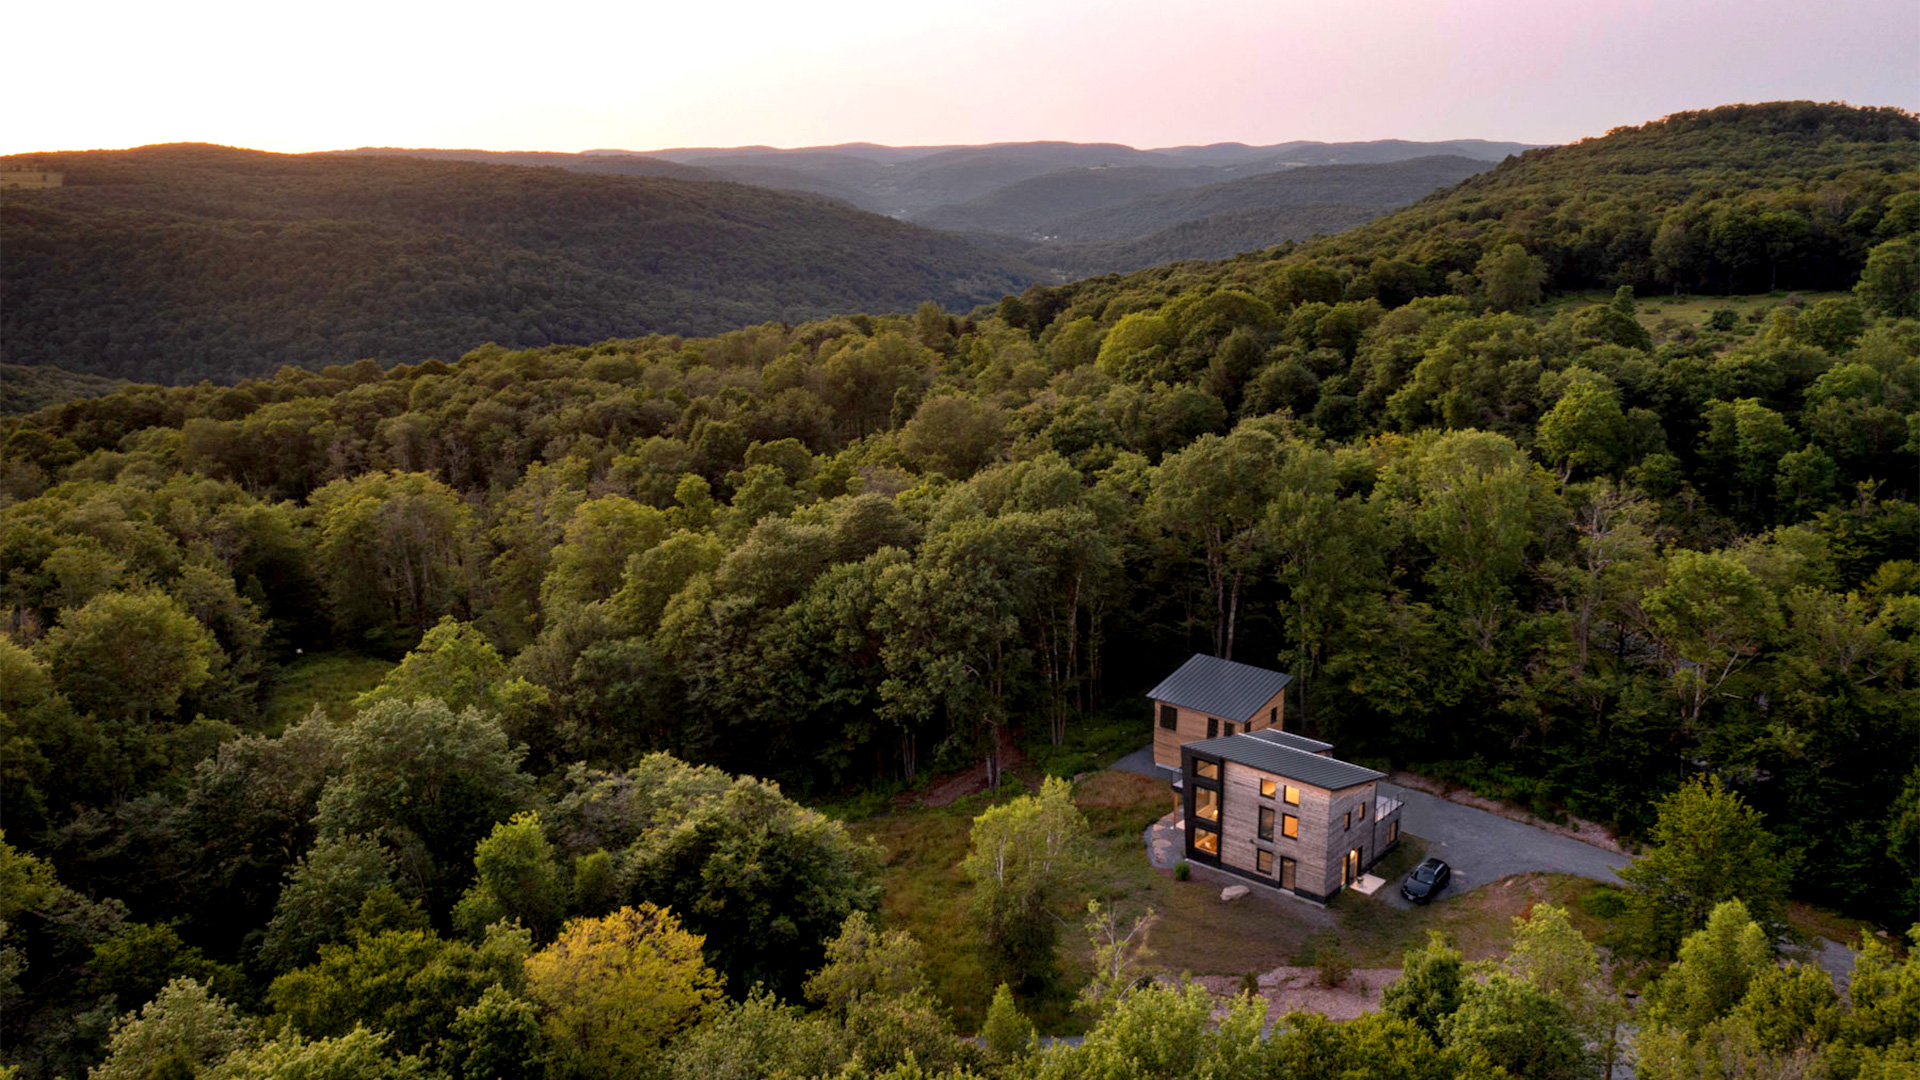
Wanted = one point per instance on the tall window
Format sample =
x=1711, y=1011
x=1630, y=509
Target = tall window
x=1228, y=731
x=1206, y=804
x=1266, y=823
x=1393, y=831
x=1213, y=727
x=1286, y=873
x=1169, y=717
x=1292, y=796
x=1349, y=821
x=1273, y=716
x=1263, y=862
x=1361, y=811
x=1290, y=826
x=1206, y=840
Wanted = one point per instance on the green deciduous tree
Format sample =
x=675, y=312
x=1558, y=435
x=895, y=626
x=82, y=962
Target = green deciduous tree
x=1511, y=277
x=408, y=983
x=129, y=654
x=182, y=1031
x=515, y=877
x=1518, y=1027
x=1429, y=987
x=1712, y=617
x=865, y=960
x=1706, y=847
x=428, y=781
x=1024, y=857
x=765, y=882
x=359, y=1054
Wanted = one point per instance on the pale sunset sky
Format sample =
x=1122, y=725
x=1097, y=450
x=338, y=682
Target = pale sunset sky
x=576, y=75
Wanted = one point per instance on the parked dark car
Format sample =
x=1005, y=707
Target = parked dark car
x=1426, y=881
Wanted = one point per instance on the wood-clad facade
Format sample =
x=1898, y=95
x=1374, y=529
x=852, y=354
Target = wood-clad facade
x=1174, y=727
x=1283, y=831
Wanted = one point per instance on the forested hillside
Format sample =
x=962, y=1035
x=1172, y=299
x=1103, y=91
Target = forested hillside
x=1220, y=220
x=176, y=263
x=1573, y=550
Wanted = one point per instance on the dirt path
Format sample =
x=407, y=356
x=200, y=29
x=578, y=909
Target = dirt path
x=951, y=788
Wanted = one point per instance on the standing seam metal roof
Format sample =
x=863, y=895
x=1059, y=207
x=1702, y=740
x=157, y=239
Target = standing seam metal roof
x=1257, y=753
x=1224, y=688
x=1288, y=738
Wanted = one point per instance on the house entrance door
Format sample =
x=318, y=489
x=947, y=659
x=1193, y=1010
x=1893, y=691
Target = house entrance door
x=1350, y=867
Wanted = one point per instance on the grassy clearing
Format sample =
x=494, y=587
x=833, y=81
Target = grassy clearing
x=1092, y=742
x=328, y=680
x=1197, y=933
x=1655, y=311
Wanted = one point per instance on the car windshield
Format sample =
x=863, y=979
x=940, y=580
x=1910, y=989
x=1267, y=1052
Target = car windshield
x=1423, y=875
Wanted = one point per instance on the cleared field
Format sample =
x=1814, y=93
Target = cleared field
x=329, y=680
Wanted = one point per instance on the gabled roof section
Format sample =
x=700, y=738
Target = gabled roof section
x=1288, y=738
x=1270, y=757
x=1224, y=688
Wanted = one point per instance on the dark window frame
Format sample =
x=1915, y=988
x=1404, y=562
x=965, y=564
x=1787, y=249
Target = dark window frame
x=1266, y=823
x=1213, y=727
x=1169, y=717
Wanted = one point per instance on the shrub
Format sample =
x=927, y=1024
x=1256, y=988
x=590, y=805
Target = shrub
x=1181, y=871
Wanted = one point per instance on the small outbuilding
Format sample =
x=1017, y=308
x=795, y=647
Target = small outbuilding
x=1210, y=697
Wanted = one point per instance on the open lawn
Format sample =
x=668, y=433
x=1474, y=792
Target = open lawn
x=329, y=680
x=1197, y=933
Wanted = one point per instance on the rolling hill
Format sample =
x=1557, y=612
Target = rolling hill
x=1736, y=199
x=183, y=262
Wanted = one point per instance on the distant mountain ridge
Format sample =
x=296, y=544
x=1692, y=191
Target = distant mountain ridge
x=919, y=182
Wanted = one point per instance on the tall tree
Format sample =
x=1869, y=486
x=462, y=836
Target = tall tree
x=1024, y=858
x=1707, y=847
x=1211, y=499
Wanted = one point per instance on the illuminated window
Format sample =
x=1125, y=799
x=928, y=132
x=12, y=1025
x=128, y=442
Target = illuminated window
x=1206, y=804
x=1292, y=796
x=1286, y=873
x=1267, y=789
x=1266, y=823
x=1349, y=821
x=1263, y=862
x=1361, y=811
x=1206, y=770
x=1206, y=840
x=1290, y=826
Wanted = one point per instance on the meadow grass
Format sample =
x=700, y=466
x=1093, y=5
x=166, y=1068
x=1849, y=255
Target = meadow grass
x=328, y=680
x=1197, y=933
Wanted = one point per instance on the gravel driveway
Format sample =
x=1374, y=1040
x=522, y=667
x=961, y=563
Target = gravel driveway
x=1484, y=848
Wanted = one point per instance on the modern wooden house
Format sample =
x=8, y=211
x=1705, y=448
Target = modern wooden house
x=1209, y=697
x=1258, y=801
